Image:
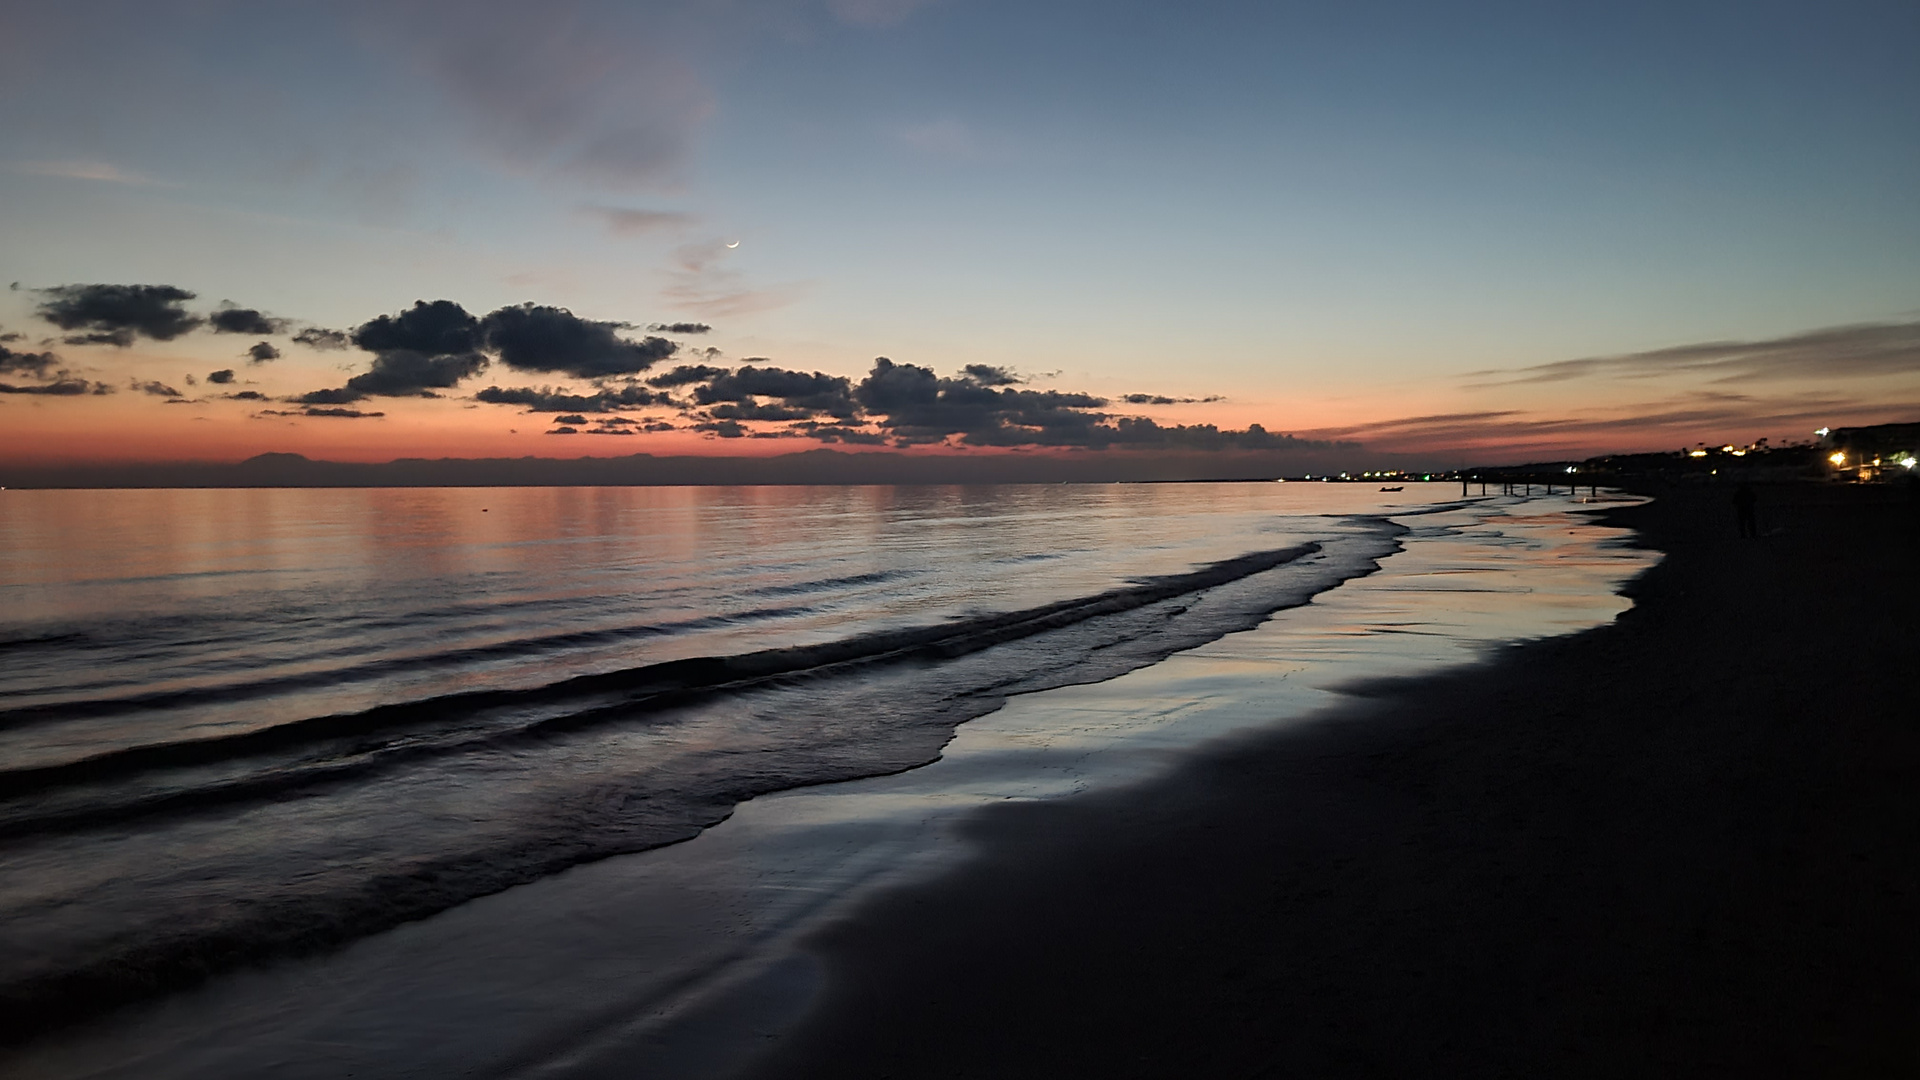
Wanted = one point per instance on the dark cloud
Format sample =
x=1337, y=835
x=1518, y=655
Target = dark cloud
x=989, y=375
x=804, y=393
x=912, y=405
x=1834, y=352
x=319, y=337
x=685, y=374
x=574, y=418
x=564, y=431
x=336, y=396
x=898, y=388
x=25, y=363
x=680, y=328
x=156, y=388
x=551, y=339
x=262, y=352
x=248, y=395
x=428, y=328
x=726, y=429
x=430, y=346
x=344, y=414
x=917, y=406
x=1162, y=399
x=546, y=399
x=222, y=377
x=238, y=320
x=402, y=374
x=62, y=386
x=735, y=411
x=115, y=314
x=854, y=436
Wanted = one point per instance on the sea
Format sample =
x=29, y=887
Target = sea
x=557, y=781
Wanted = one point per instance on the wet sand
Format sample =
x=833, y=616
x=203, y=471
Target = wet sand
x=1684, y=843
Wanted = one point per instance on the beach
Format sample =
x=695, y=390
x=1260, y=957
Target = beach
x=1682, y=843
x=1450, y=802
x=685, y=959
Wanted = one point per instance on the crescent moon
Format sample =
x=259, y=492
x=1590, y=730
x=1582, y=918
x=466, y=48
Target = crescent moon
x=735, y=244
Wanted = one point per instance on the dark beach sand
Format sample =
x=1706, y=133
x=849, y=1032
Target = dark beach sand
x=1687, y=843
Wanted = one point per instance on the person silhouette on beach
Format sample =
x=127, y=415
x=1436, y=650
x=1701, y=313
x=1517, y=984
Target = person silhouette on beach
x=1743, y=500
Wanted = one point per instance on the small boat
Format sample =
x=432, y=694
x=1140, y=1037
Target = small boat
x=1393, y=489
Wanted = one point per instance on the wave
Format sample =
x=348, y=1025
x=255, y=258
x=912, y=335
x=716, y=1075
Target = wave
x=862, y=705
x=625, y=695
x=517, y=648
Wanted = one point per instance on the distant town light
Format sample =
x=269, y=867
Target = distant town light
x=1908, y=462
x=1572, y=469
x=1697, y=453
x=1837, y=458
x=1822, y=433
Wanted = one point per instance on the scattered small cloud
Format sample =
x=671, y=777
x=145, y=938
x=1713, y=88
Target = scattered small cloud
x=679, y=328
x=548, y=399
x=344, y=414
x=221, y=377
x=1162, y=399
x=229, y=319
x=332, y=413
x=62, y=386
x=155, y=388
x=989, y=375
x=25, y=363
x=261, y=352
x=686, y=374
x=319, y=337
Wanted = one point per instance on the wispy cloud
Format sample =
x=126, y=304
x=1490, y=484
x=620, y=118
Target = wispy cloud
x=624, y=221
x=104, y=172
x=705, y=282
x=592, y=91
x=940, y=138
x=1855, y=351
x=1673, y=422
x=874, y=12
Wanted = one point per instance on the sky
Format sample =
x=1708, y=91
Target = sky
x=1449, y=234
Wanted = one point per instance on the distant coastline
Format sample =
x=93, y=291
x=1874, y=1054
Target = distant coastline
x=808, y=467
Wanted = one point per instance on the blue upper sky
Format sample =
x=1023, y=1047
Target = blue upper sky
x=1331, y=215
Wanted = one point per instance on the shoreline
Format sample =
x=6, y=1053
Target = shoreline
x=682, y=956
x=1683, y=841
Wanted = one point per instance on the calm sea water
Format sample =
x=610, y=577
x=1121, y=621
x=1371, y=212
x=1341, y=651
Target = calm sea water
x=242, y=724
